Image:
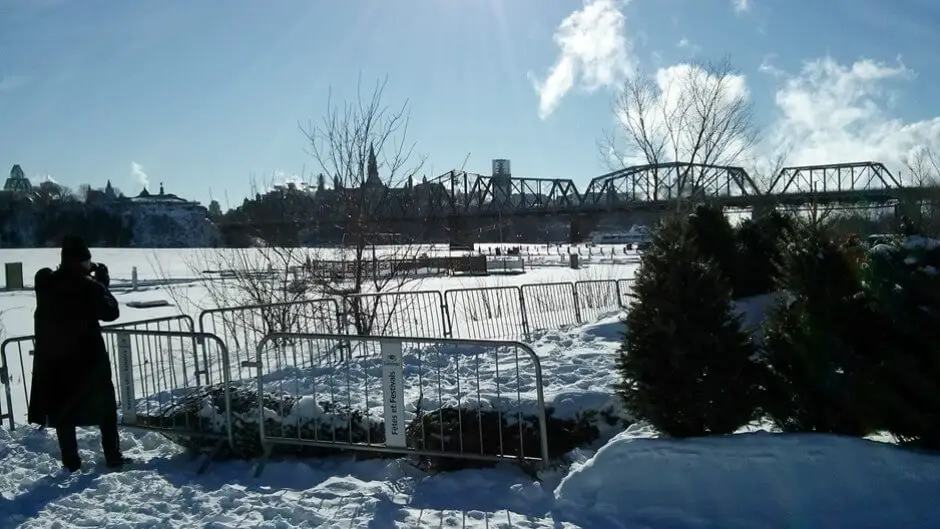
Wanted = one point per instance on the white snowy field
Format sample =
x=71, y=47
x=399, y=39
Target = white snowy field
x=634, y=480
x=496, y=314
x=627, y=479
x=190, y=263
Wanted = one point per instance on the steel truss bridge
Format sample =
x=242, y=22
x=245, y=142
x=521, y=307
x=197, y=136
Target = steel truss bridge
x=459, y=195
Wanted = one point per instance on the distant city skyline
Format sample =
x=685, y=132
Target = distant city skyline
x=208, y=96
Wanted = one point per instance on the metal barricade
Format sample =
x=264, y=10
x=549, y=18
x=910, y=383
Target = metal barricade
x=597, y=298
x=155, y=392
x=432, y=397
x=492, y=313
x=625, y=287
x=6, y=412
x=417, y=314
x=242, y=328
x=549, y=306
x=25, y=345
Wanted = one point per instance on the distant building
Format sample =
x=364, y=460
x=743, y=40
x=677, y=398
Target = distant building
x=161, y=202
x=164, y=200
x=17, y=183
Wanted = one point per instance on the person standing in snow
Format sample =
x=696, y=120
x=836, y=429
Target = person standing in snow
x=71, y=380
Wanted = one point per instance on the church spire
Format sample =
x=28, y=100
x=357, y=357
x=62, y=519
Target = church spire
x=373, y=167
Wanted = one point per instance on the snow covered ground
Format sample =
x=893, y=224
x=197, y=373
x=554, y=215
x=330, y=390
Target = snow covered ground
x=631, y=480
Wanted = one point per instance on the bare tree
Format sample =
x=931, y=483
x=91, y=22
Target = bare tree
x=697, y=114
x=364, y=146
x=922, y=169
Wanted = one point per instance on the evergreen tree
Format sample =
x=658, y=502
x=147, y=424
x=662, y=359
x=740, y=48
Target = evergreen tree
x=714, y=239
x=820, y=345
x=686, y=366
x=760, y=242
x=903, y=281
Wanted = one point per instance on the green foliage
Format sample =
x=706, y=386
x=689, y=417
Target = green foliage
x=714, y=238
x=821, y=345
x=686, y=367
x=902, y=279
x=760, y=243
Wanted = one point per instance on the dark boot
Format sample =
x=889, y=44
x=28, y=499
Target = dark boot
x=111, y=445
x=68, y=446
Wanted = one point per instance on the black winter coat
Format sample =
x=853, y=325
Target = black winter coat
x=71, y=380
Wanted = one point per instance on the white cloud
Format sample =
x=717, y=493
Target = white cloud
x=741, y=6
x=594, y=52
x=827, y=112
x=768, y=68
x=138, y=171
x=12, y=82
x=831, y=113
x=687, y=45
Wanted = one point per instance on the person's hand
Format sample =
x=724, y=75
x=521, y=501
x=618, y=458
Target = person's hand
x=101, y=275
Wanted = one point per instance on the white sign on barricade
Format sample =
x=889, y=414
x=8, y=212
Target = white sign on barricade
x=126, y=378
x=393, y=393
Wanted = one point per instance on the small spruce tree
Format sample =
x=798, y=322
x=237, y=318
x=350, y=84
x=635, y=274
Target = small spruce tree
x=760, y=242
x=686, y=366
x=714, y=238
x=818, y=343
x=902, y=279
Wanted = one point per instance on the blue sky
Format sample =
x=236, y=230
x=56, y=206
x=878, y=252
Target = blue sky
x=203, y=95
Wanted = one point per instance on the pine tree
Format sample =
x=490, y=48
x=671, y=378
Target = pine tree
x=714, y=238
x=685, y=364
x=906, y=291
x=760, y=242
x=819, y=345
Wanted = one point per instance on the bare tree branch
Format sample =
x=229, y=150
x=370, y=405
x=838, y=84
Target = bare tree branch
x=697, y=113
x=923, y=167
x=356, y=143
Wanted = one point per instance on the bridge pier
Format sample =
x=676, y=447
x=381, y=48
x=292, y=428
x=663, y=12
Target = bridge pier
x=459, y=232
x=760, y=210
x=580, y=229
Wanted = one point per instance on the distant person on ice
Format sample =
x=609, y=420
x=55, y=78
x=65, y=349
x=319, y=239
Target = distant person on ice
x=71, y=382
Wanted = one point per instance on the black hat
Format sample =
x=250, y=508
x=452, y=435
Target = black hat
x=74, y=250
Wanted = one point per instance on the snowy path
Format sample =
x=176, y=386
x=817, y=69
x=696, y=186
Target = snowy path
x=164, y=491
x=635, y=481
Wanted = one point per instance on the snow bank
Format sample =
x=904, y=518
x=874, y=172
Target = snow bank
x=741, y=481
x=752, y=480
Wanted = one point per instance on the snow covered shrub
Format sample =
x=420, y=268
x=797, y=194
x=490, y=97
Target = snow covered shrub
x=821, y=343
x=759, y=245
x=686, y=365
x=489, y=432
x=902, y=278
x=484, y=432
x=285, y=416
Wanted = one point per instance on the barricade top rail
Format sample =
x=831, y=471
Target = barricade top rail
x=16, y=339
x=481, y=289
x=391, y=293
x=171, y=334
x=264, y=305
x=374, y=338
x=183, y=317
